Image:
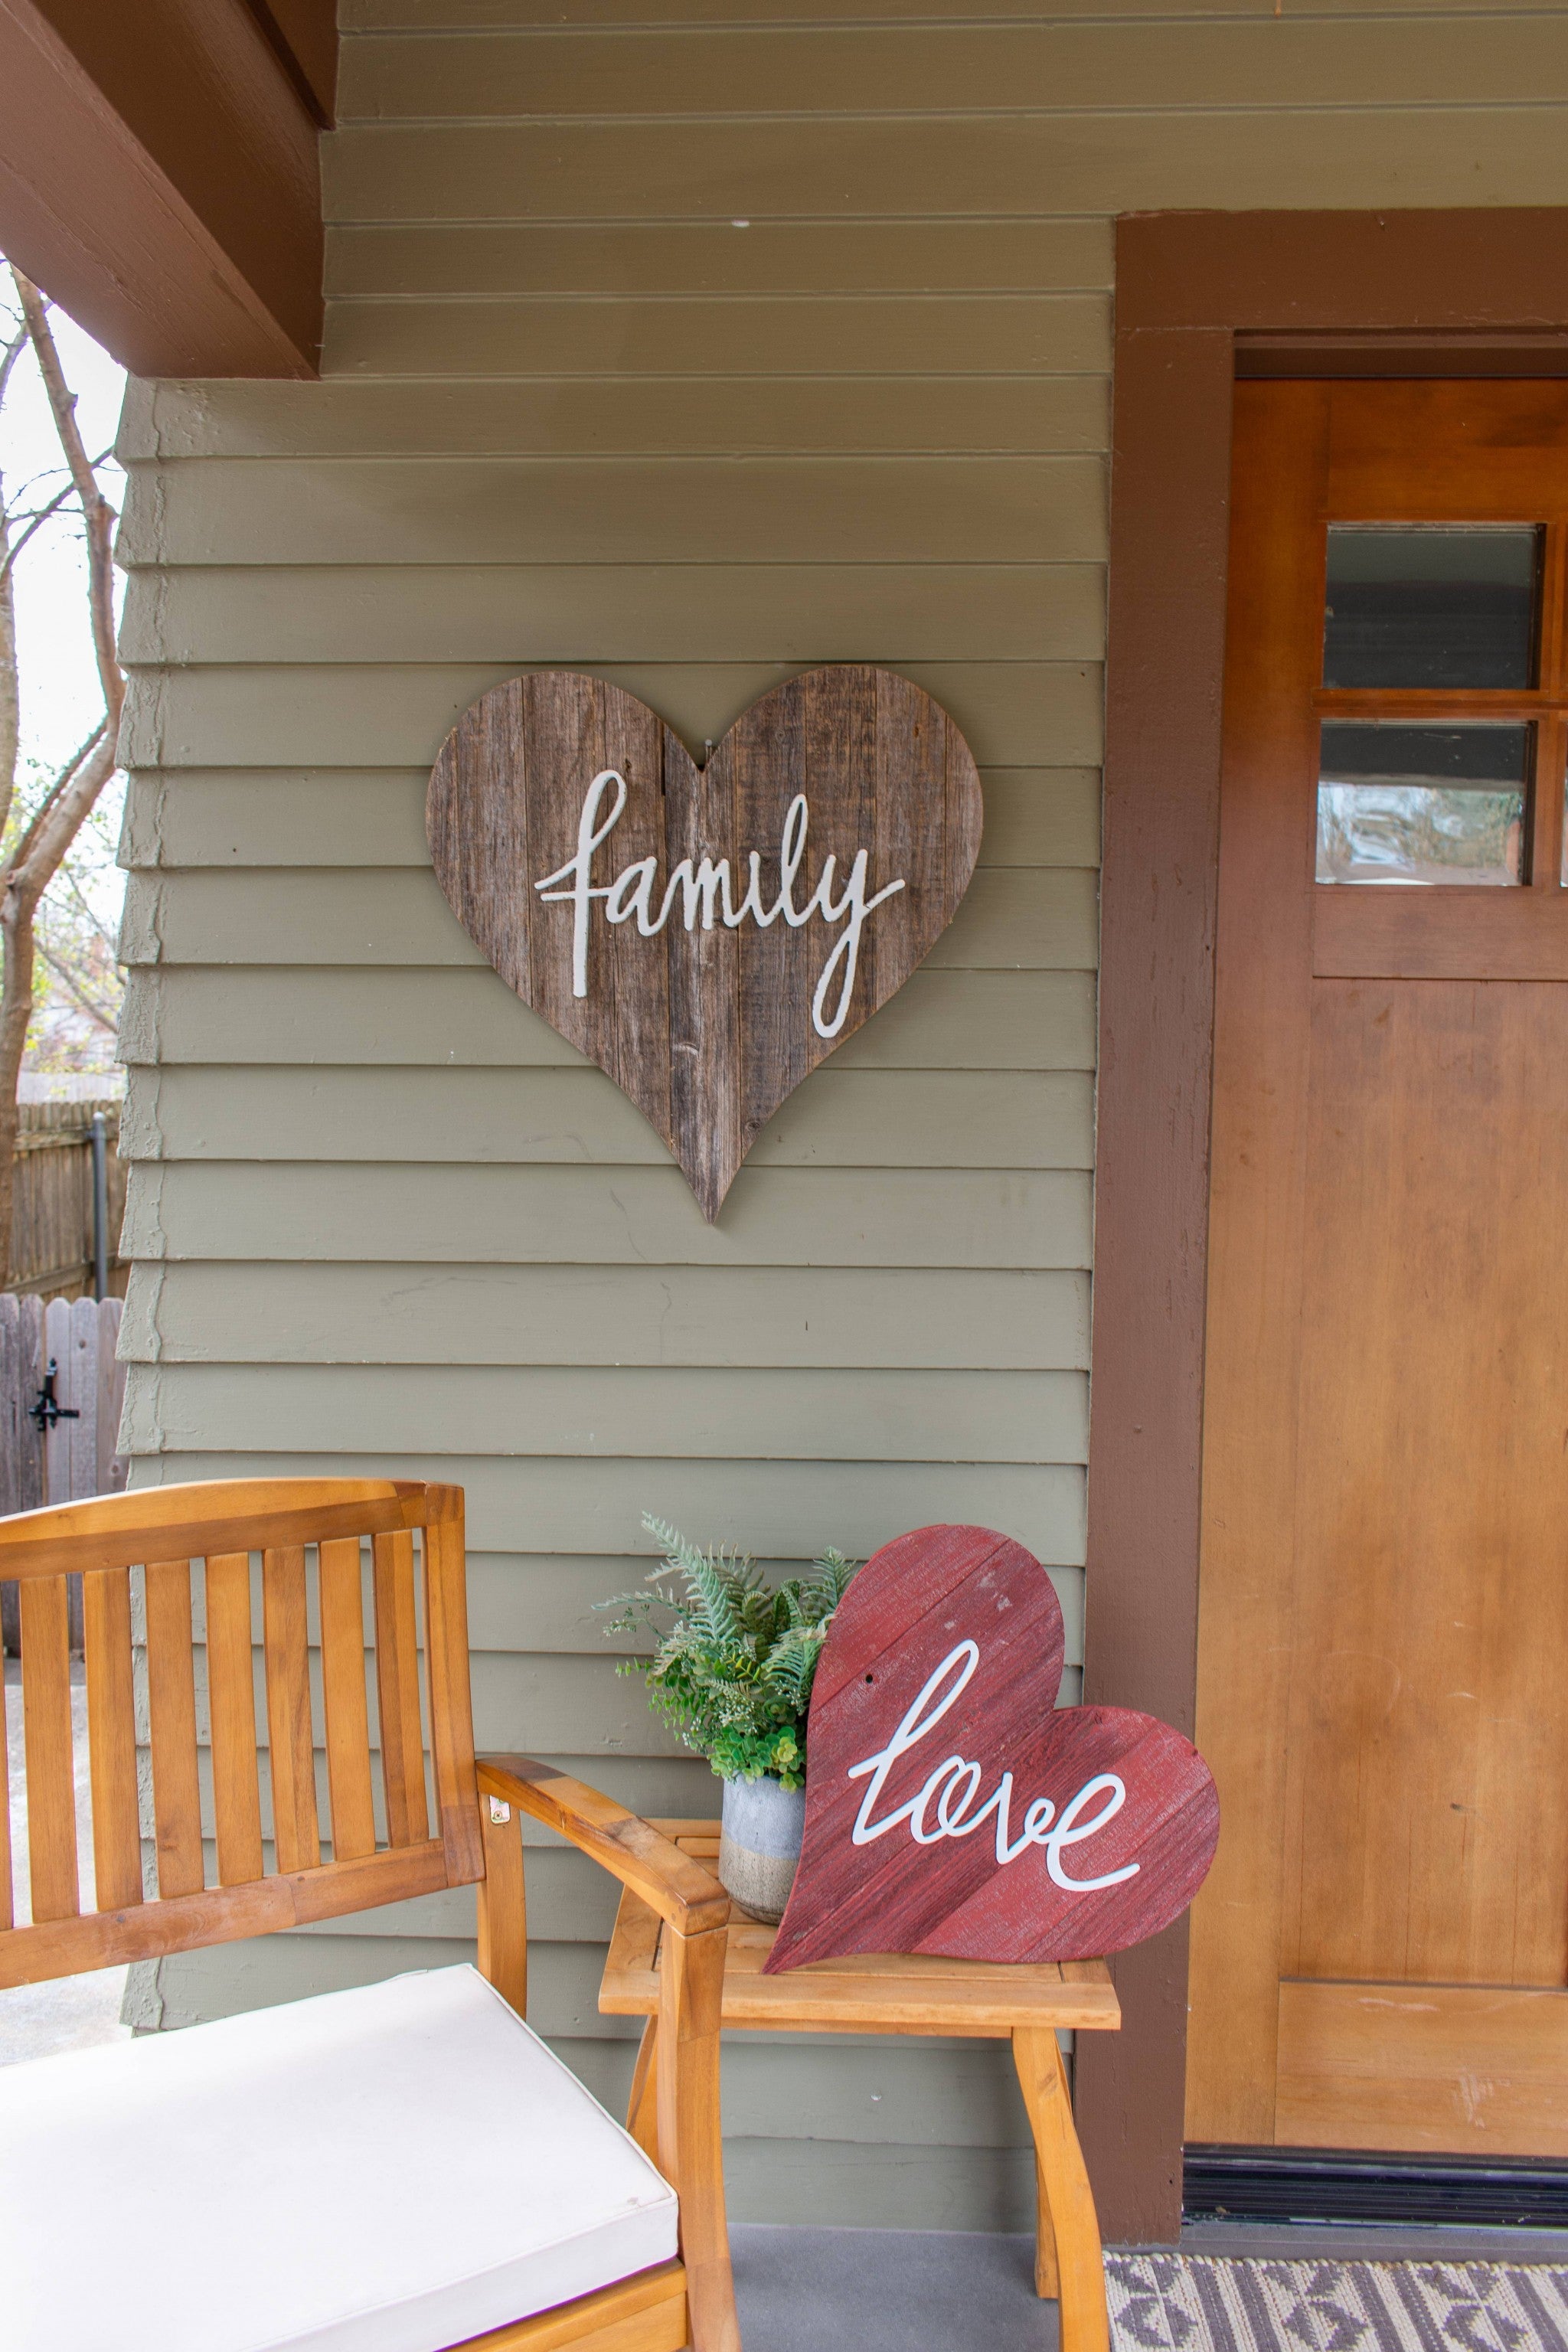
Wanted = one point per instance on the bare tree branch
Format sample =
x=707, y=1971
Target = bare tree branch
x=30, y=831
x=36, y=521
x=47, y=838
x=73, y=988
x=85, y=910
x=10, y=354
x=38, y=854
x=97, y=511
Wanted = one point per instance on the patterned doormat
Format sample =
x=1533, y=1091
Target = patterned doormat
x=1193, y=2303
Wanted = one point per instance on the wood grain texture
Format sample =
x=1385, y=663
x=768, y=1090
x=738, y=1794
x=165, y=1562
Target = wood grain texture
x=171, y=1715
x=1160, y=835
x=247, y=1901
x=448, y=1670
x=960, y=1628
x=690, y=2141
x=49, y=1748
x=346, y=1705
x=504, y=1916
x=290, y=1751
x=707, y=1030
x=645, y=2314
x=231, y=1698
x=901, y=1995
x=112, y=1738
x=1262, y=1049
x=1472, y=2070
x=397, y=1687
x=1186, y=285
x=642, y=2100
x=67, y=1945
x=187, y=233
x=1383, y=1467
x=880, y=1992
x=683, y=1892
x=1068, y=2261
x=212, y=1515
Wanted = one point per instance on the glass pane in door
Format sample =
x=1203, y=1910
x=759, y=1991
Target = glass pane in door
x=1421, y=805
x=1431, y=606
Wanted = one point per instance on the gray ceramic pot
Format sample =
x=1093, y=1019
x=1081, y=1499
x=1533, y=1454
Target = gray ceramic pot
x=760, y=1844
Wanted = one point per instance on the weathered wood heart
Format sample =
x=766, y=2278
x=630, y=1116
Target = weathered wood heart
x=951, y=1807
x=706, y=935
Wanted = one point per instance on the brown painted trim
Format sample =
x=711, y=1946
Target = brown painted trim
x=158, y=178
x=1187, y=286
x=304, y=33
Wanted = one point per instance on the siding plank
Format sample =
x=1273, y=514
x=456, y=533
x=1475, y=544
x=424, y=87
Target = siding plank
x=777, y=1508
x=722, y=72
x=849, y=335
x=646, y=257
x=980, y=165
x=428, y=15
x=306, y=1014
x=965, y=509
x=571, y=1215
x=1035, y=415
x=669, y=1316
x=855, y=1119
x=647, y=612
x=593, y=1413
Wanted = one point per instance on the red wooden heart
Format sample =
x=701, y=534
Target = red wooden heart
x=708, y=936
x=951, y=1807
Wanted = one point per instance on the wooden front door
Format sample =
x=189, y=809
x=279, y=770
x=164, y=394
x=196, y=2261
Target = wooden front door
x=1380, y=1958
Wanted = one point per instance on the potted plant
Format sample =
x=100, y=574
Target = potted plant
x=733, y=1673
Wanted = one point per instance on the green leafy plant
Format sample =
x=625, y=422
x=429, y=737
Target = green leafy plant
x=732, y=1670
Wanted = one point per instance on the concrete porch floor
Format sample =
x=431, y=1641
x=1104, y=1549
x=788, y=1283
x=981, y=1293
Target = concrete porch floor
x=805, y=2290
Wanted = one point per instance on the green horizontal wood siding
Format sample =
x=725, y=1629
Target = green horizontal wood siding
x=688, y=341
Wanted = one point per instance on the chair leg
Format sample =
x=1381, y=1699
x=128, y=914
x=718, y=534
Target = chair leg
x=1074, y=2267
x=642, y=2107
x=685, y=2064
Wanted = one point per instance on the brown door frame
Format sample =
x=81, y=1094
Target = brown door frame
x=1201, y=296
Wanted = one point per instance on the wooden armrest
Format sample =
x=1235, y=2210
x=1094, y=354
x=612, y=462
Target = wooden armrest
x=684, y=1892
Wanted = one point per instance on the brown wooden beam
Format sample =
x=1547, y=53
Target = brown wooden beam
x=158, y=175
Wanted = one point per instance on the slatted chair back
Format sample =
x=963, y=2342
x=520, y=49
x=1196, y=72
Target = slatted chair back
x=175, y=1564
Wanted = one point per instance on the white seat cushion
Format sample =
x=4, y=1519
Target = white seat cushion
x=390, y=2169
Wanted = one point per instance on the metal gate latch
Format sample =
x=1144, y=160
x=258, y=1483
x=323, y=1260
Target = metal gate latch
x=48, y=1409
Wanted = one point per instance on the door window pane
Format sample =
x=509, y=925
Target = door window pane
x=1430, y=607
x=1421, y=804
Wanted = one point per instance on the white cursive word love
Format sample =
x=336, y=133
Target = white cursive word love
x=631, y=893
x=951, y=1788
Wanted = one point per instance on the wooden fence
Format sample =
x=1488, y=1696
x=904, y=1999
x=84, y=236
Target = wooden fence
x=61, y=1354
x=52, y=1227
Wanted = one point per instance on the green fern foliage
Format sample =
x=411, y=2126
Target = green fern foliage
x=734, y=1656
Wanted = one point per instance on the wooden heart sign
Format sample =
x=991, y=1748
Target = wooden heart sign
x=951, y=1807
x=706, y=935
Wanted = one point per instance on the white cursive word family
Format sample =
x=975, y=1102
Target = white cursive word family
x=951, y=1789
x=710, y=889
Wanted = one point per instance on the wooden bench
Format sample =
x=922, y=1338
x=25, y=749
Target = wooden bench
x=894, y=1993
